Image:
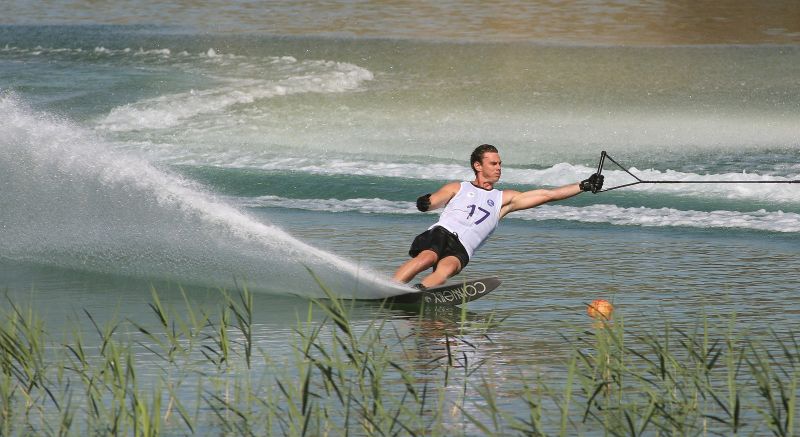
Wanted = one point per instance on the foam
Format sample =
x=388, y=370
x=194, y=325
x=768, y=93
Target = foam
x=171, y=110
x=237, y=80
x=760, y=220
x=78, y=51
x=364, y=206
x=556, y=175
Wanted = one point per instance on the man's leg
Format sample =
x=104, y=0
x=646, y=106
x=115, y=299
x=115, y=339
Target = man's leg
x=446, y=269
x=423, y=261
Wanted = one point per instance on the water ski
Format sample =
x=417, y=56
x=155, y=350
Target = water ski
x=449, y=294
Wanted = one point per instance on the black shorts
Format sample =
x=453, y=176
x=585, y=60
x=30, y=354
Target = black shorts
x=442, y=242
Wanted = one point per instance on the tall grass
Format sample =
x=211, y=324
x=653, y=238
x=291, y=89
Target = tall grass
x=200, y=371
x=688, y=383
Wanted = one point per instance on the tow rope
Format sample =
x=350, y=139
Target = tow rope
x=604, y=155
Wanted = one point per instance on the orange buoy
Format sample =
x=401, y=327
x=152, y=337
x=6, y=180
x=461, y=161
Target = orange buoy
x=600, y=309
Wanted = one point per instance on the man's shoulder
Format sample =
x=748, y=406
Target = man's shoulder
x=508, y=195
x=453, y=186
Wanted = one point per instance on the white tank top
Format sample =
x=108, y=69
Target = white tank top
x=472, y=214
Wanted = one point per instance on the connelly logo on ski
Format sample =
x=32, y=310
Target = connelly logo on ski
x=450, y=294
x=465, y=293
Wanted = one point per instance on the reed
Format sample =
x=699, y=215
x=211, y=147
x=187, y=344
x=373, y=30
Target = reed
x=346, y=378
x=687, y=384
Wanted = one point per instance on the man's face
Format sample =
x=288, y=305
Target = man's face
x=489, y=167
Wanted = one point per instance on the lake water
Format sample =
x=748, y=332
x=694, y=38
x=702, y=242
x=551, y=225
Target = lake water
x=223, y=143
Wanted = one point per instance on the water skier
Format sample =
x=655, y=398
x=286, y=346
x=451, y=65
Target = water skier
x=472, y=211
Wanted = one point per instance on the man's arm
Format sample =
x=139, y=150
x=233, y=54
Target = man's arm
x=439, y=198
x=515, y=200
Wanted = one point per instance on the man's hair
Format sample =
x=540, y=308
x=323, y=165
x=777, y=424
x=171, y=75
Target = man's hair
x=477, y=155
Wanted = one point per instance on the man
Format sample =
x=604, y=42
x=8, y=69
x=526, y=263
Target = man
x=472, y=212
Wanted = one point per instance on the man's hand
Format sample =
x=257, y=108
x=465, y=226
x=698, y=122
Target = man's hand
x=593, y=184
x=424, y=202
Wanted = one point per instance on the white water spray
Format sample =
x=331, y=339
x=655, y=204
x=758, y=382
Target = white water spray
x=69, y=199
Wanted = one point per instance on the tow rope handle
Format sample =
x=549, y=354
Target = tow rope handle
x=599, y=169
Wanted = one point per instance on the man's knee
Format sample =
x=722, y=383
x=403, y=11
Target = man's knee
x=427, y=258
x=449, y=265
